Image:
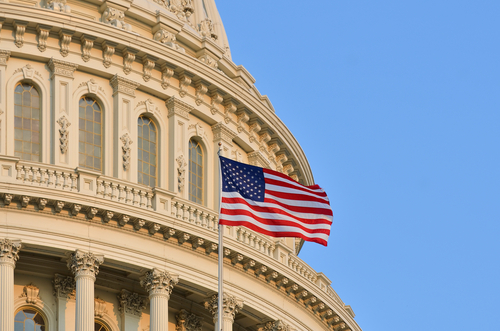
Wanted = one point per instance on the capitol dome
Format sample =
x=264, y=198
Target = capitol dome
x=111, y=114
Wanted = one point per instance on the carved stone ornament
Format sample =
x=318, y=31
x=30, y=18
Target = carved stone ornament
x=242, y=118
x=64, y=286
x=183, y=9
x=231, y=306
x=148, y=64
x=84, y=263
x=201, y=90
x=43, y=34
x=216, y=101
x=30, y=292
x=115, y=17
x=131, y=303
x=65, y=39
x=209, y=61
x=99, y=308
x=128, y=59
x=126, y=150
x=87, y=44
x=187, y=321
x=274, y=326
x=184, y=82
x=257, y=159
x=108, y=49
x=123, y=85
x=206, y=29
x=4, y=56
x=9, y=250
x=62, y=68
x=168, y=39
x=181, y=172
x=20, y=29
x=58, y=5
x=63, y=132
x=159, y=282
x=166, y=74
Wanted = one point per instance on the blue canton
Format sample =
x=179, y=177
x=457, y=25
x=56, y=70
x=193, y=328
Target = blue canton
x=243, y=178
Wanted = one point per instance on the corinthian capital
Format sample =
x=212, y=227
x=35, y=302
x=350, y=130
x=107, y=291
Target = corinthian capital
x=131, y=303
x=159, y=282
x=84, y=264
x=9, y=250
x=231, y=306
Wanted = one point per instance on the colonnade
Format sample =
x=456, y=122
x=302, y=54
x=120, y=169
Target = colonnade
x=85, y=267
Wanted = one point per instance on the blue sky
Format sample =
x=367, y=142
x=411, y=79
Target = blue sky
x=397, y=107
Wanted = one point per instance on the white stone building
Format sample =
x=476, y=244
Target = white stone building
x=111, y=113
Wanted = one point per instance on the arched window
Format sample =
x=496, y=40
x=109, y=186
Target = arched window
x=29, y=319
x=99, y=326
x=27, y=122
x=195, y=172
x=90, y=134
x=147, y=149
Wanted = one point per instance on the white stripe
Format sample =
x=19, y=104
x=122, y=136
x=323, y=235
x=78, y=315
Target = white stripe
x=273, y=228
x=292, y=182
x=288, y=190
x=302, y=204
x=276, y=216
x=298, y=203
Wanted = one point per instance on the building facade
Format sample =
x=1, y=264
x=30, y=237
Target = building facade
x=111, y=114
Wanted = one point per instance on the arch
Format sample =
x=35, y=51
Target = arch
x=106, y=323
x=196, y=171
x=198, y=133
x=44, y=310
x=44, y=115
x=147, y=150
x=96, y=93
x=90, y=133
x=27, y=130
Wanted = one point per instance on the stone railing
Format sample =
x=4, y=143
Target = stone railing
x=194, y=213
x=302, y=268
x=256, y=241
x=130, y=194
x=46, y=176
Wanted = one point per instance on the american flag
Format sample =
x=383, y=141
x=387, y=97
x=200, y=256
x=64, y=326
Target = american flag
x=272, y=203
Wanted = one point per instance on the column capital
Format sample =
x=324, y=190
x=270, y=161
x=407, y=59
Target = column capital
x=222, y=132
x=187, y=321
x=4, y=56
x=84, y=263
x=159, y=282
x=123, y=85
x=231, y=306
x=62, y=68
x=278, y=325
x=178, y=107
x=131, y=303
x=64, y=286
x=9, y=250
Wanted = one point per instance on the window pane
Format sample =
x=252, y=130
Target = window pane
x=90, y=134
x=146, y=148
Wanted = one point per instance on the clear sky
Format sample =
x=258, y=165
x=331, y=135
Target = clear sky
x=397, y=107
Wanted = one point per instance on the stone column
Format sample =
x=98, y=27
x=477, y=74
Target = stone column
x=159, y=285
x=9, y=250
x=131, y=306
x=231, y=305
x=85, y=267
x=63, y=113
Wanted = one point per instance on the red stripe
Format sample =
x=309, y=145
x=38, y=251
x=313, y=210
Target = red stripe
x=273, y=234
x=300, y=209
x=285, y=184
x=238, y=212
x=298, y=197
x=265, y=209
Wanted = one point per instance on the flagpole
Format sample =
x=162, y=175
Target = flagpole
x=220, y=301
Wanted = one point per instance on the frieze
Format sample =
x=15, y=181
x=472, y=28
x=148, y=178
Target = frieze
x=222, y=132
x=123, y=85
x=177, y=107
x=62, y=68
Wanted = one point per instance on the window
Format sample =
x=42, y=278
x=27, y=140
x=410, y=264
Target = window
x=90, y=134
x=147, y=146
x=29, y=319
x=27, y=122
x=98, y=326
x=195, y=172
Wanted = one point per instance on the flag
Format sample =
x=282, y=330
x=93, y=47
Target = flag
x=272, y=203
